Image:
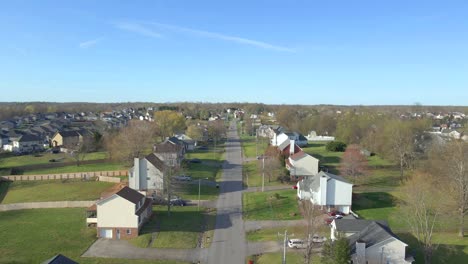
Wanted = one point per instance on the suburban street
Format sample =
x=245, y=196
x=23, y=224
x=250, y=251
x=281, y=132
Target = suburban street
x=229, y=245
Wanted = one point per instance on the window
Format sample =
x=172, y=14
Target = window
x=129, y=231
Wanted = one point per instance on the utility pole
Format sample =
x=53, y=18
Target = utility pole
x=263, y=173
x=199, y=194
x=284, y=245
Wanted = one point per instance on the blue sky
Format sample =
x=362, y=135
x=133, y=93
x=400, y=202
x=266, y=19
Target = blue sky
x=281, y=52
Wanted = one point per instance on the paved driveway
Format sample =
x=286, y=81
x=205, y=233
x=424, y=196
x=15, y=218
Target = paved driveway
x=109, y=248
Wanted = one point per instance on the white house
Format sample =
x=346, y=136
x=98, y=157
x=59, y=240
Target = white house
x=190, y=144
x=371, y=242
x=327, y=190
x=302, y=165
x=122, y=214
x=277, y=139
x=147, y=174
x=24, y=144
x=312, y=136
x=170, y=151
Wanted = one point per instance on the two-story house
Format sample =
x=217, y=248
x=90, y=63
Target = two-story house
x=147, y=174
x=302, y=165
x=121, y=215
x=371, y=242
x=327, y=190
x=170, y=152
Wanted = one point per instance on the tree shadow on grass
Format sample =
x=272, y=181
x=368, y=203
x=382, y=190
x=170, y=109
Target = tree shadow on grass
x=326, y=159
x=444, y=253
x=373, y=200
x=4, y=186
x=184, y=221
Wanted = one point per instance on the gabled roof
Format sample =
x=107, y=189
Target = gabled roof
x=153, y=159
x=29, y=138
x=284, y=144
x=372, y=234
x=299, y=155
x=130, y=195
x=68, y=133
x=354, y=225
x=59, y=259
x=333, y=176
x=167, y=146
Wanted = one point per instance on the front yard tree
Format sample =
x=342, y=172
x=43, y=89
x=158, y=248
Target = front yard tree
x=168, y=123
x=312, y=216
x=272, y=164
x=421, y=206
x=353, y=163
x=336, y=252
x=195, y=132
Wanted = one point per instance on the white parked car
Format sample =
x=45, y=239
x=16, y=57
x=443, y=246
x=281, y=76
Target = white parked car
x=297, y=243
x=318, y=239
x=183, y=178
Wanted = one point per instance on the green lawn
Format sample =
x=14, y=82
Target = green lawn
x=9, y=160
x=110, y=166
x=292, y=257
x=53, y=190
x=253, y=175
x=326, y=158
x=265, y=206
x=190, y=192
x=211, y=162
x=451, y=248
x=252, y=147
x=273, y=234
x=179, y=230
x=32, y=236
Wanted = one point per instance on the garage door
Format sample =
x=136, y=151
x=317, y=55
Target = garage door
x=106, y=233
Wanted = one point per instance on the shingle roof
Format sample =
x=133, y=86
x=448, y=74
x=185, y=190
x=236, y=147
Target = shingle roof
x=167, y=146
x=59, y=259
x=130, y=195
x=298, y=155
x=29, y=138
x=69, y=133
x=354, y=225
x=371, y=234
x=153, y=159
x=333, y=176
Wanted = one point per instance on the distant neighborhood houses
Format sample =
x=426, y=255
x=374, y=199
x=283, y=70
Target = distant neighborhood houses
x=37, y=132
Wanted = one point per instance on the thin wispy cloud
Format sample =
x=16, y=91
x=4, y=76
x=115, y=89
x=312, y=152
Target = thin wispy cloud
x=138, y=28
x=215, y=35
x=90, y=43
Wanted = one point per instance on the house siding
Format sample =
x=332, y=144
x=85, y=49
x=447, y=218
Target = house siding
x=389, y=251
x=123, y=232
x=116, y=212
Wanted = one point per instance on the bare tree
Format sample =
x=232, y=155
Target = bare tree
x=311, y=214
x=132, y=141
x=81, y=150
x=272, y=164
x=400, y=144
x=353, y=163
x=421, y=206
x=450, y=162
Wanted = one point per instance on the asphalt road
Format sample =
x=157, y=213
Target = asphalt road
x=229, y=245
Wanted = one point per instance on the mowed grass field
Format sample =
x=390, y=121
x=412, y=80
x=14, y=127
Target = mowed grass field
x=9, y=160
x=252, y=147
x=53, y=190
x=35, y=235
x=252, y=174
x=269, y=206
x=211, y=162
x=292, y=257
x=107, y=166
x=181, y=229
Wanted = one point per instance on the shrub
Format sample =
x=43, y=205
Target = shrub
x=336, y=146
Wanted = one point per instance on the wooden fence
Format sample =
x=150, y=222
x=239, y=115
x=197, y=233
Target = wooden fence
x=63, y=176
x=34, y=205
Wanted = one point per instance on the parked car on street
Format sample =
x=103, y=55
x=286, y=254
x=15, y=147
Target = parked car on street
x=183, y=178
x=296, y=243
x=318, y=239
